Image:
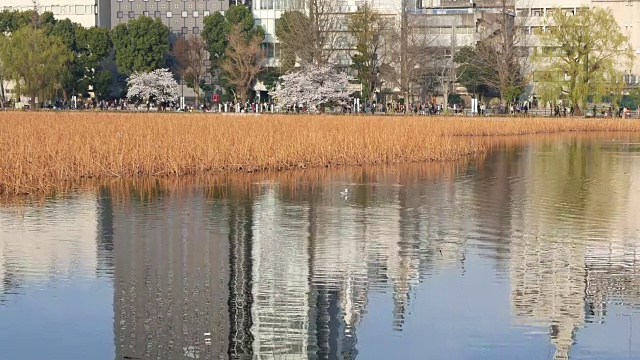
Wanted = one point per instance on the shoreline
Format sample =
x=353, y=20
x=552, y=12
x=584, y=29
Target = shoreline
x=45, y=152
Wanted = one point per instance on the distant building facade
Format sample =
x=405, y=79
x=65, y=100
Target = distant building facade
x=84, y=12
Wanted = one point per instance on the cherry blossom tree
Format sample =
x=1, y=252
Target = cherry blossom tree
x=157, y=86
x=313, y=86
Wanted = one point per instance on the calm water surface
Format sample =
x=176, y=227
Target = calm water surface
x=532, y=252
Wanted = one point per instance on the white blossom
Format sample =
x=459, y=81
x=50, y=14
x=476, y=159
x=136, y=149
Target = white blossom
x=155, y=86
x=313, y=86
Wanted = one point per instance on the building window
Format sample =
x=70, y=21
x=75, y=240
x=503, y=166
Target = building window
x=196, y=30
x=185, y=30
x=184, y=14
x=131, y=15
x=169, y=14
x=196, y=13
x=206, y=13
x=145, y=13
x=157, y=14
x=120, y=15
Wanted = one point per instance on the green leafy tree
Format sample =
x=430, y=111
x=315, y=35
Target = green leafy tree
x=140, y=45
x=11, y=21
x=66, y=31
x=309, y=35
x=290, y=27
x=216, y=33
x=581, y=53
x=94, y=45
x=472, y=71
x=366, y=26
x=35, y=60
x=90, y=47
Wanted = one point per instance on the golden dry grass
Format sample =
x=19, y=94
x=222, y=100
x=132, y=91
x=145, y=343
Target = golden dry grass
x=48, y=151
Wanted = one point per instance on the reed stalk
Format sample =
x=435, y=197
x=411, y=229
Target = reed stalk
x=42, y=152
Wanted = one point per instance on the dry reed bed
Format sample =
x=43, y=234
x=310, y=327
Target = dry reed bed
x=48, y=151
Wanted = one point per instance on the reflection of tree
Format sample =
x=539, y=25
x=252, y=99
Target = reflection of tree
x=573, y=179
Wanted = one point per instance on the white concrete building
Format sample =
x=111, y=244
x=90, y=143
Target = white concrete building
x=84, y=12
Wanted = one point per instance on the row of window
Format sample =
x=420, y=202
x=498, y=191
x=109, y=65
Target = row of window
x=58, y=9
x=279, y=4
x=168, y=14
x=162, y=6
x=448, y=30
x=538, y=12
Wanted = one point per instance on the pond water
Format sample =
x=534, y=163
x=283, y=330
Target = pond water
x=530, y=252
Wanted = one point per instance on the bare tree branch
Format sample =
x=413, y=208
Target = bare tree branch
x=243, y=62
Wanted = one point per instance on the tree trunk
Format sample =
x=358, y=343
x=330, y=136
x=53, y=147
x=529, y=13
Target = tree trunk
x=404, y=45
x=2, y=92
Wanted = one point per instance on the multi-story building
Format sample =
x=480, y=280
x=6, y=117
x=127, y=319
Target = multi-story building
x=626, y=13
x=84, y=12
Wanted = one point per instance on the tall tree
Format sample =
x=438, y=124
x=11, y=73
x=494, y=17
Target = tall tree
x=94, y=45
x=409, y=50
x=191, y=56
x=501, y=49
x=367, y=28
x=90, y=47
x=243, y=60
x=310, y=37
x=140, y=45
x=217, y=28
x=66, y=30
x=215, y=36
x=581, y=50
x=11, y=21
x=472, y=71
x=35, y=60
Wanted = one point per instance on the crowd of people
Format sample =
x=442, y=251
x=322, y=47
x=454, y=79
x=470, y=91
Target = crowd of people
x=393, y=107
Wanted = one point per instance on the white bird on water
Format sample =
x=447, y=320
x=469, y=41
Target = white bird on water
x=344, y=193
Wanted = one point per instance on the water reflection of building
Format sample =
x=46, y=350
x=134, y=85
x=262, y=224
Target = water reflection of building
x=55, y=240
x=280, y=275
x=240, y=279
x=171, y=279
x=105, y=231
x=571, y=252
x=547, y=287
